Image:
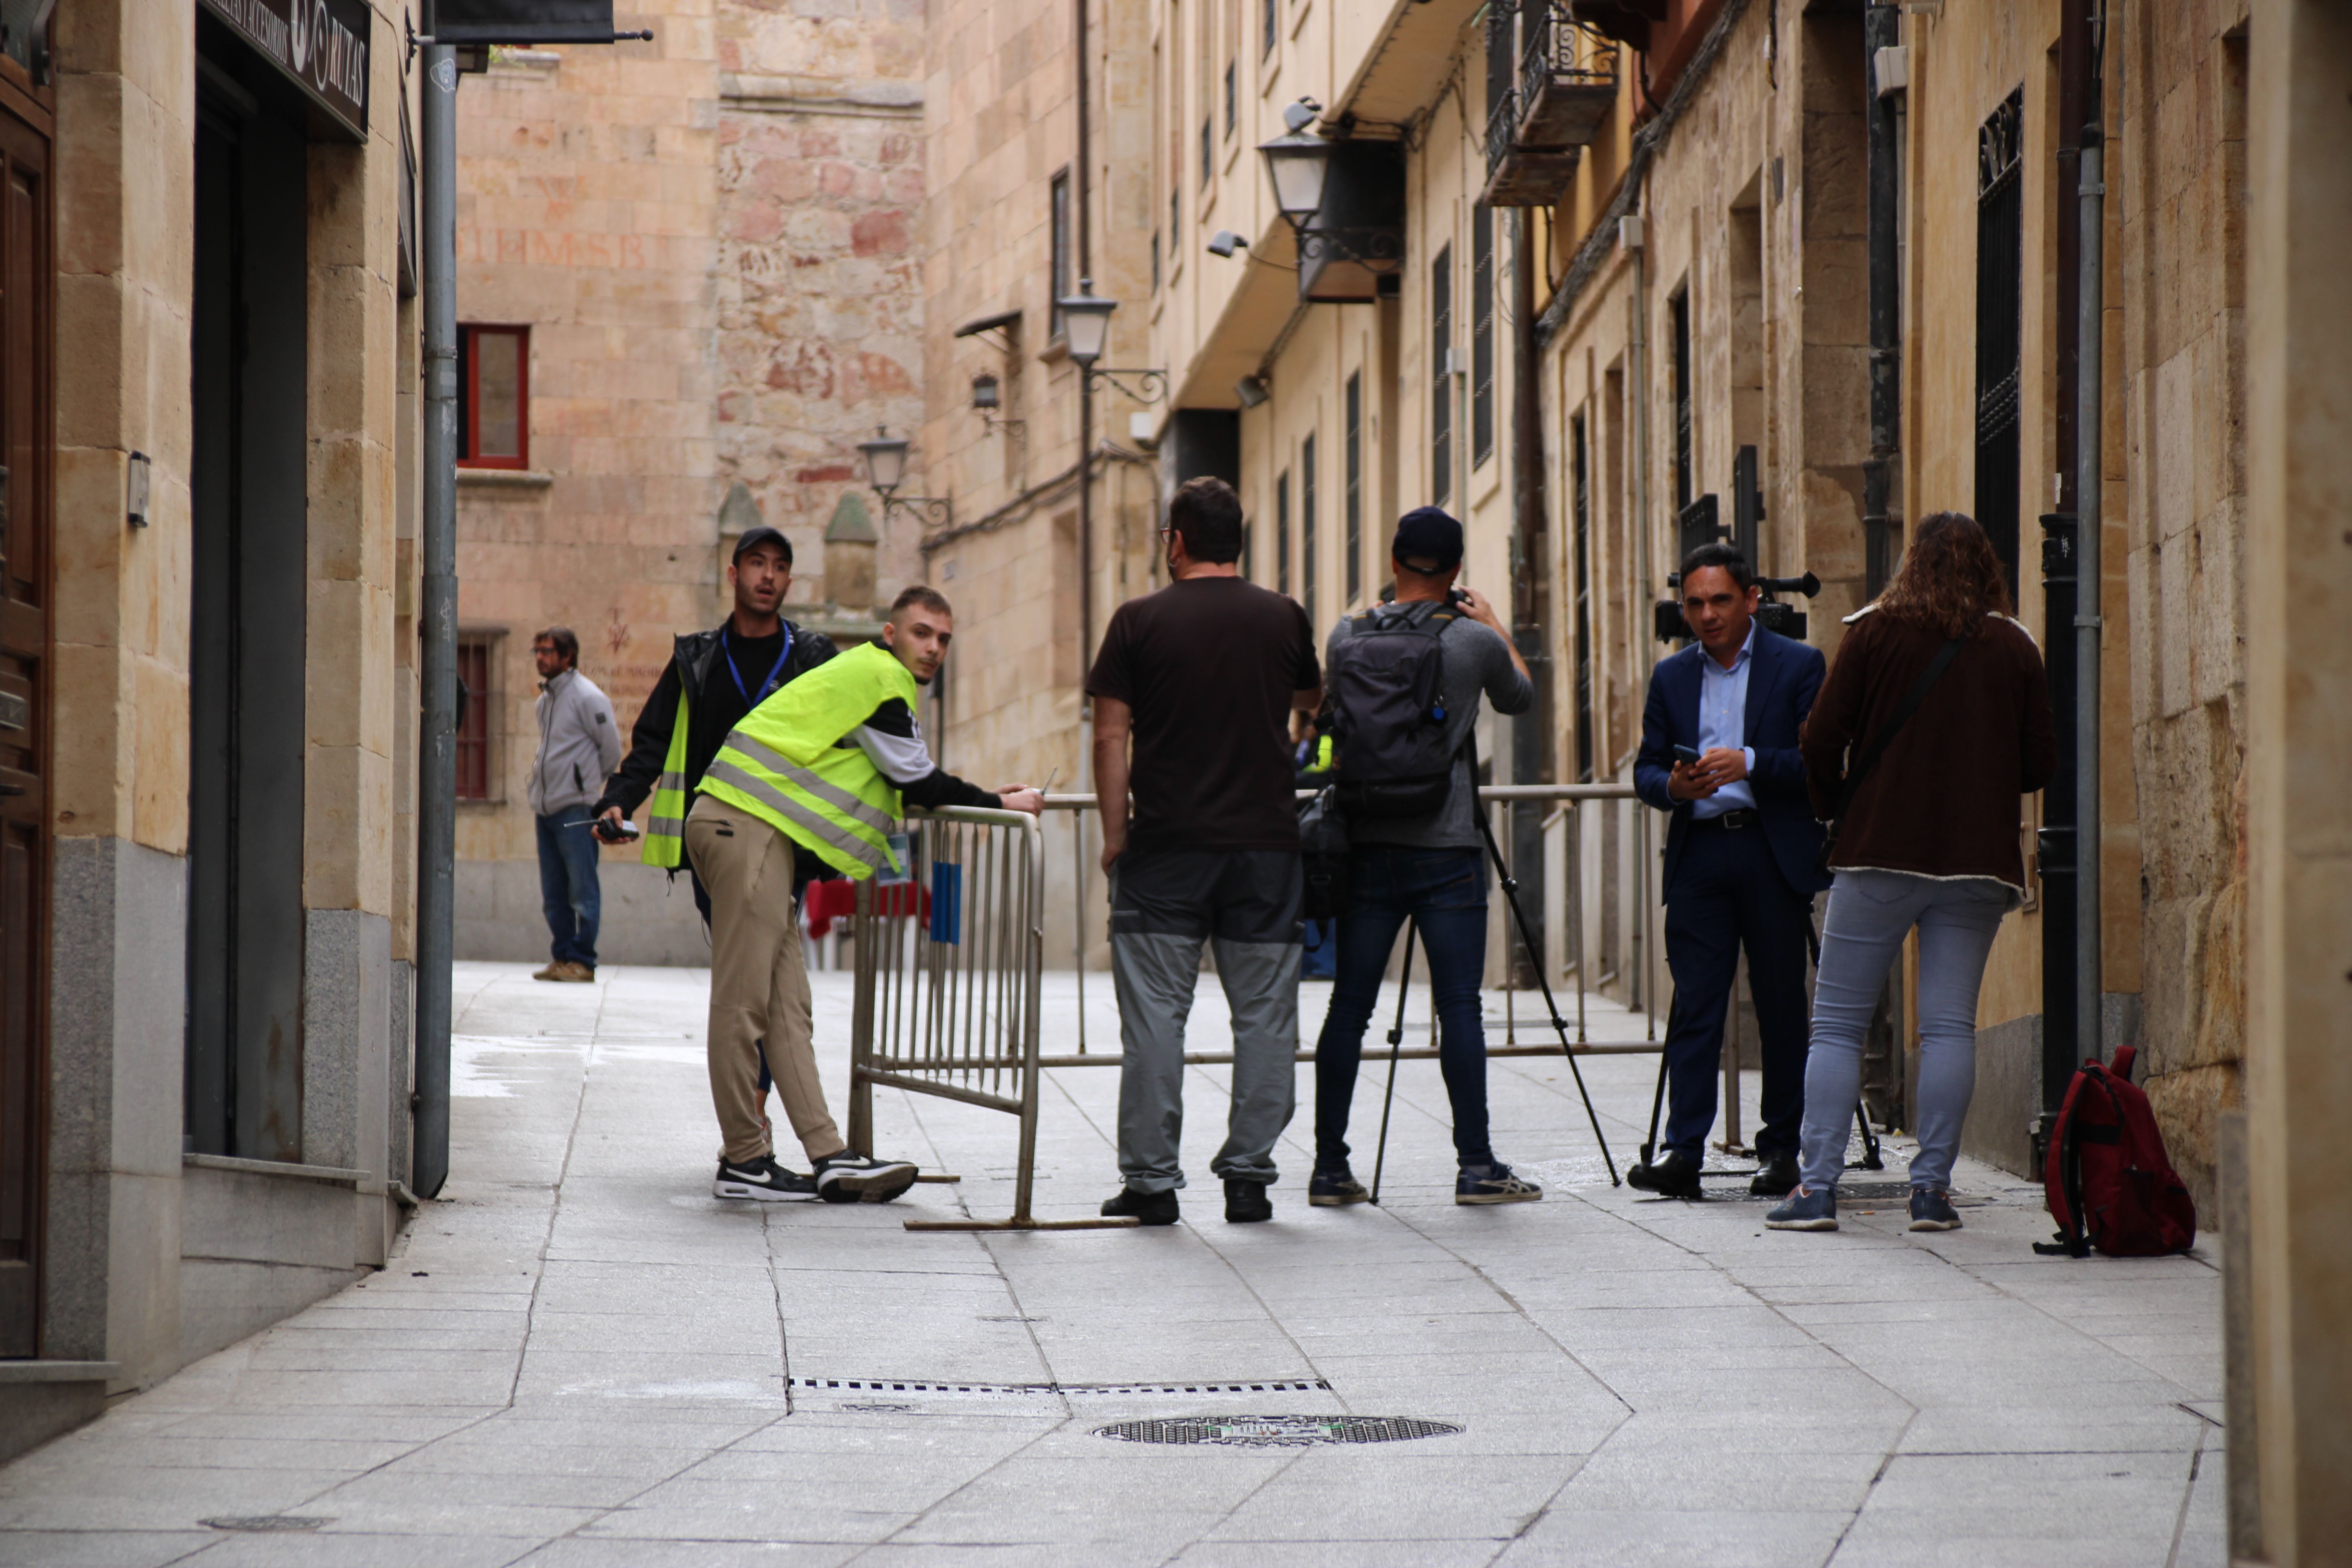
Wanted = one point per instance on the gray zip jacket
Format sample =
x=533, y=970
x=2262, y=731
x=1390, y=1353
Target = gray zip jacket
x=579, y=745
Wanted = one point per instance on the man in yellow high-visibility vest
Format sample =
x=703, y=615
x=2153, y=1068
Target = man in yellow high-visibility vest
x=807, y=785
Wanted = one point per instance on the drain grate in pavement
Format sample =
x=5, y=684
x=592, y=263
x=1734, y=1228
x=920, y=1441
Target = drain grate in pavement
x=1277, y=1431
x=265, y=1521
x=1015, y=1389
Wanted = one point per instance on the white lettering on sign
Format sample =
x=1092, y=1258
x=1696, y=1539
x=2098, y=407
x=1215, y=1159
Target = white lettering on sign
x=308, y=42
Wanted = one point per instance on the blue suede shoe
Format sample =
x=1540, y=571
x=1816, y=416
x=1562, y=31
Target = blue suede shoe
x=1805, y=1210
x=1931, y=1209
x=1332, y=1189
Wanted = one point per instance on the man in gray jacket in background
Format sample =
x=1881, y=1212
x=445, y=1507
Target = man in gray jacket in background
x=578, y=746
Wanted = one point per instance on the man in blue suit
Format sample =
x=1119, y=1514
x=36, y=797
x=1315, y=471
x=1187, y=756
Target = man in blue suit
x=1740, y=860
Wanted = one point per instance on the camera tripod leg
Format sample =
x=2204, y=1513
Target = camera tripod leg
x=1657, y=1104
x=1396, y=1044
x=1535, y=962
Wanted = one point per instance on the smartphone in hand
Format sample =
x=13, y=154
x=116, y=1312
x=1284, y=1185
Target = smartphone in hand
x=1686, y=754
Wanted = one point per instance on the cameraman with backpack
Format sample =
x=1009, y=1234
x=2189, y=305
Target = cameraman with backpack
x=1404, y=680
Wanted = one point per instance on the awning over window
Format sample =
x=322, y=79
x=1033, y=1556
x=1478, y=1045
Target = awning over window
x=523, y=22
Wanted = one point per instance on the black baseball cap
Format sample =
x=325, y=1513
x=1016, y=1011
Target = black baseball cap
x=764, y=534
x=1428, y=533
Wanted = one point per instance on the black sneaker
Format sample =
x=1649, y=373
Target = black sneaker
x=1494, y=1184
x=1246, y=1203
x=762, y=1181
x=1330, y=1189
x=1144, y=1208
x=852, y=1178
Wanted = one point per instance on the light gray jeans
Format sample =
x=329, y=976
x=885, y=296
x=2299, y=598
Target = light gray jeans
x=1153, y=973
x=1870, y=913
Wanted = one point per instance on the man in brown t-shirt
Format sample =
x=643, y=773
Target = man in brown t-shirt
x=1203, y=677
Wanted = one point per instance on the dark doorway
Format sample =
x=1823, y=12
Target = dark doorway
x=2000, y=210
x=245, y=830
x=27, y=439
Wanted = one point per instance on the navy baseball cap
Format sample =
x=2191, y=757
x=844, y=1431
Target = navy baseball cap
x=1428, y=533
x=764, y=534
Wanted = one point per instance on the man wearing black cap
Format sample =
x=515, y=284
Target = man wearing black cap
x=723, y=674
x=1428, y=866
x=713, y=680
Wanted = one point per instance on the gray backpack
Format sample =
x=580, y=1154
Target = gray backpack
x=1386, y=713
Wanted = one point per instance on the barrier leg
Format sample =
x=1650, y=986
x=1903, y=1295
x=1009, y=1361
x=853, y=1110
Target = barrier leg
x=861, y=1026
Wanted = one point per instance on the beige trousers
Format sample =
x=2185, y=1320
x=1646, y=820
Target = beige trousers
x=758, y=982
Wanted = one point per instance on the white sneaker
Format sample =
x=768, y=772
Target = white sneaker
x=762, y=1181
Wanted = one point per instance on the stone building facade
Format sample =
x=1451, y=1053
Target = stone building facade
x=1693, y=327
x=210, y=394
x=711, y=239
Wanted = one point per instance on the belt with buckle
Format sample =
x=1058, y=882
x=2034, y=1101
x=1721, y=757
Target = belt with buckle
x=1732, y=820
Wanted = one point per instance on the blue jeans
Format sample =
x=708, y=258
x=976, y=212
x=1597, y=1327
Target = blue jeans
x=1445, y=893
x=568, y=892
x=1870, y=914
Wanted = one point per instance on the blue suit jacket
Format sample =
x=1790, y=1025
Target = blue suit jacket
x=1783, y=675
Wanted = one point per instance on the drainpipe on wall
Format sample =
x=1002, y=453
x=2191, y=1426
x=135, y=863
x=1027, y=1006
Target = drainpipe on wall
x=1084, y=236
x=2088, y=932
x=1882, y=29
x=437, y=784
x=1531, y=732
x=2060, y=547
x=1630, y=235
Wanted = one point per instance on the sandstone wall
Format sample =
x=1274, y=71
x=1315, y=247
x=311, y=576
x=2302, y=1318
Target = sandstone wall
x=2182, y=192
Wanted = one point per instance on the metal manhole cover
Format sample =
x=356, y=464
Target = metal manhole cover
x=265, y=1521
x=1275, y=1431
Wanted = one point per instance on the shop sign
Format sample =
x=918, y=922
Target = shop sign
x=320, y=45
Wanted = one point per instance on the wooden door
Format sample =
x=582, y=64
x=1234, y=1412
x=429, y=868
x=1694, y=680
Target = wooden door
x=27, y=445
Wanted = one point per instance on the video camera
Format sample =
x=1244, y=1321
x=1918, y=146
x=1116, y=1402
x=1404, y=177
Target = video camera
x=1700, y=522
x=1786, y=619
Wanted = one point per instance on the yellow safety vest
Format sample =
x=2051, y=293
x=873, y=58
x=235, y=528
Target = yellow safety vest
x=665, y=842
x=789, y=763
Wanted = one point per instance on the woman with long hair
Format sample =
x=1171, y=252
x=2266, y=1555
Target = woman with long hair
x=1927, y=826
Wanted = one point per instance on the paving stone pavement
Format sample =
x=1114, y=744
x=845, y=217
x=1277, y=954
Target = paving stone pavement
x=580, y=1358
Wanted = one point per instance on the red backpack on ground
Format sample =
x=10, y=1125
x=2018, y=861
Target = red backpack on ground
x=2107, y=1179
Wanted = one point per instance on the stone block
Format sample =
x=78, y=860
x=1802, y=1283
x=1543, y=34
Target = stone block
x=225, y=1299
x=346, y=1021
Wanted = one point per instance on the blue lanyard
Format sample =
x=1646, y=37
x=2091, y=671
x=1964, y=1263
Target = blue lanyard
x=770, y=683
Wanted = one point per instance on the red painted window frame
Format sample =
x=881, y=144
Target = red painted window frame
x=470, y=366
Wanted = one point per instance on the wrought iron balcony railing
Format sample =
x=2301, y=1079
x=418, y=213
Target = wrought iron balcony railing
x=1541, y=116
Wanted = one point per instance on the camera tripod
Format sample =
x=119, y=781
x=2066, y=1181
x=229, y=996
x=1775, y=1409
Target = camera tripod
x=1870, y=1160
x=1535, y=962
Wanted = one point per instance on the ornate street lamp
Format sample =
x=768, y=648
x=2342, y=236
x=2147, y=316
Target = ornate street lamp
x=1085, y=323
x=1298, y=164
x=886, y=470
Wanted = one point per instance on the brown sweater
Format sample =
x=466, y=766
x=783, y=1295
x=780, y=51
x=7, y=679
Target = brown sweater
x=1942, y=800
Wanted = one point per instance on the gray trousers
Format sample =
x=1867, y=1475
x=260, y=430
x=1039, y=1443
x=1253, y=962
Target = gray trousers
x=1870, y=914
x=1164, y=905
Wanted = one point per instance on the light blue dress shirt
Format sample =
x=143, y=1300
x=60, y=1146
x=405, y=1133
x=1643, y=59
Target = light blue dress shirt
x=1722, y=722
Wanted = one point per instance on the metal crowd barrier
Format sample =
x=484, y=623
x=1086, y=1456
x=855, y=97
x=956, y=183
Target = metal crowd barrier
x=949, y=964
x=1568, y=798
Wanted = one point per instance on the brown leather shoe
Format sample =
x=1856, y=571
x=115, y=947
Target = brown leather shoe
x=579, y=974
x=554, y=971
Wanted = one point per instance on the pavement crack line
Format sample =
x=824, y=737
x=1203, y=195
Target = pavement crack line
x=2188, y=1497
x=1885, y=1463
